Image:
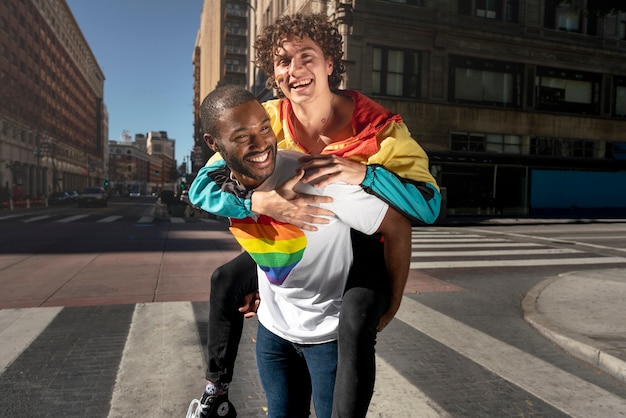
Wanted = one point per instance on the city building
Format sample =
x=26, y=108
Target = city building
x=146, y=165
x=222, y=55
x=53, y=119
x=520, y=104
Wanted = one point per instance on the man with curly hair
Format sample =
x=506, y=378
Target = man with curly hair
x=349, y=139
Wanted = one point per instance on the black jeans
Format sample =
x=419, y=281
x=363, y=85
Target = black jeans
x=365, y=299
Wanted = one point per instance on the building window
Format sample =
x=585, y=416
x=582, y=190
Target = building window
x=622, y=25
x=485, y=82
x=567, y=91
x=396, y=72
x=486, y=8
x=467, y=142
x=506, y=10
x=411, y=2
x=568, y=18
x=562, y=147
x=620, y=97
x=565, y=16
x=481, y=142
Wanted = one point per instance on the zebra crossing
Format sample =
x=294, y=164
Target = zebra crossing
x=99, y=219
x=437, y=248
x=148, y=360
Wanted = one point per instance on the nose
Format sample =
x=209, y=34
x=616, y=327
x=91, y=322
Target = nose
x=294, y=65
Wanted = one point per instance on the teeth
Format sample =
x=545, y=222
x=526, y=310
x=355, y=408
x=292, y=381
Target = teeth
x=300, y=83
x=261, y=158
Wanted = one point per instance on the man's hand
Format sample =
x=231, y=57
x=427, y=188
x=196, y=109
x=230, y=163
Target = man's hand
x=387, y=317
x=250, y=304
x=285, y=205
x=322, y=170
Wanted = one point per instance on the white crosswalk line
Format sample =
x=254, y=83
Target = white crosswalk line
x=177, y=220
x=486, y=245
x=112, y=218
x=36, y=218
x=159, y=363
x=556, y=387
x=458, y=239
x=72, y=218
x=516, y=263
x=19, y=327
x=538, y=251
x=145, y=220
x=391, y=393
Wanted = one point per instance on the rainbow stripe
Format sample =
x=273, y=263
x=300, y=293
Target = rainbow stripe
x=280, y=79
x=275, y=246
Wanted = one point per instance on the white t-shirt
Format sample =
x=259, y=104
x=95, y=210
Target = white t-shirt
x=302, y=274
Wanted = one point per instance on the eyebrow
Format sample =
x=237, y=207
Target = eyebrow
x=303, y=49
x=245, y=128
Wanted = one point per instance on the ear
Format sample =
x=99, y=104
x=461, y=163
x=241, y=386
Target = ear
x=329, y=66
x=210, y=141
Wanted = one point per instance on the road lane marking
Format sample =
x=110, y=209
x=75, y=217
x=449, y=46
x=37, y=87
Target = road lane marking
x=19, y=328
x=515, y=263
x=393, y=392
x=537, y=251
x=35, y=219
x=145, y=220
x=562, y=390
x=72, y=218
x=110, y=219
x=159, y=373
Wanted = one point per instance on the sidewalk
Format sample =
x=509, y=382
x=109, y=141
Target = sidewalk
x=583, y=312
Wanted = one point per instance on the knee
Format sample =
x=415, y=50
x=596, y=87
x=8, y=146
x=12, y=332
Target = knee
x=359, y=316
x=223, y=284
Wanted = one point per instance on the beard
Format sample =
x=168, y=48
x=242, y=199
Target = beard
x=241, y=168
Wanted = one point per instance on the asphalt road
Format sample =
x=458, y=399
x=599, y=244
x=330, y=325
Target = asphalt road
x=113, y=301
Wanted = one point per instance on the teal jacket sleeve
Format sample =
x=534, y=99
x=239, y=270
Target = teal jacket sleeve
x=215, y=192
x=418, y=201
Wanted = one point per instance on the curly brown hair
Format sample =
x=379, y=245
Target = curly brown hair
x=314, y=26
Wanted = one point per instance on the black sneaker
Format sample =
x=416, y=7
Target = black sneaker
x=211, y=406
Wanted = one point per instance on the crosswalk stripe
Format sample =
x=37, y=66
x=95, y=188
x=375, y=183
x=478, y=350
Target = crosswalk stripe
x=35, y=219
x=458, y=240
x=556, y=387
x=72, y=218
x=161, y=357
x=18, y=328
x=112, y=218
x=516, y=263
x=481, y=245
x=540, y=251
x=391, y=393
x=145, y=220
x=177, y=220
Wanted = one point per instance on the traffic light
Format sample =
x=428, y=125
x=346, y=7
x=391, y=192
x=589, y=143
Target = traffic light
x=106, y=184
x=156, y=173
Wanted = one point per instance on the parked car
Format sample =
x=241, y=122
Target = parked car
x=95, y=196
x=73, y=195
x=135, y=193
x=59, y=198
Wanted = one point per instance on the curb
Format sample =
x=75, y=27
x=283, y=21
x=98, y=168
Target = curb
x=584, y=348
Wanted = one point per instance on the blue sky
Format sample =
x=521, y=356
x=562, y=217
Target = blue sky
x=144, y=48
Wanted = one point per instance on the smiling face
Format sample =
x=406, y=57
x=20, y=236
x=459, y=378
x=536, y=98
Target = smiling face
x=301, y=70
x=246, y=142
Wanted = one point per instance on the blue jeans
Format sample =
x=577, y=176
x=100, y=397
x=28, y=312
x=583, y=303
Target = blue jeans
x=291, y=372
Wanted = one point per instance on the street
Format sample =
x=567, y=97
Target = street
x=121, y=294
